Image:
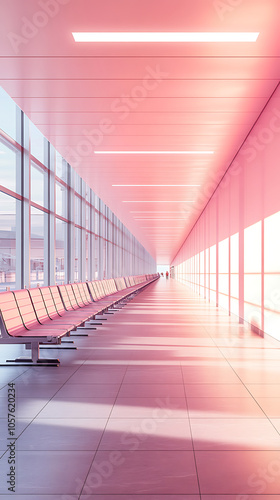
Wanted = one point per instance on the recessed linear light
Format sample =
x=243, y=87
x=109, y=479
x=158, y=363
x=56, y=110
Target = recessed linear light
x=154, y=152
x=157, y=201
x=155, y=185
x=164, y=37
x=158, y=212
x=158, y=235
x=162, y=219
x=162, y=227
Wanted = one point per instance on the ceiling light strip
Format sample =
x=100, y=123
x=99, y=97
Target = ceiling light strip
x=157, y=201
x=158, y=212
x=164, y=219
x=155, y=185
x=163, y=227
x=154, y=152
x=165, y=37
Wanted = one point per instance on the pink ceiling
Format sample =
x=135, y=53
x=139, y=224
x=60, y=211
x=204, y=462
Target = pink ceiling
x=204, y=96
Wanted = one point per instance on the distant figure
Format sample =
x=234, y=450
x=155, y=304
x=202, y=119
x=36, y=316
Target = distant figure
x=162, y=274
x=167, y=274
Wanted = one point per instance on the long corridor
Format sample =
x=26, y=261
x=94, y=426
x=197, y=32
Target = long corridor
x=170, y=398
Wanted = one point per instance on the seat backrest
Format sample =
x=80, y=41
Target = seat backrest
x=105, y=286
x=57, y=300
x=110, y=286
x=102, y=286
x=113, y=285
x=117, y=284
x=10, y=314
x=77, y=294
x=122, y=284
x=126, y=281
x=26, y=308
x=65, y=297
x=49, y=302
x=72, y=298
x=84, y=293
x=99, y=289
x=91, y=289
x=96, y=289
x=39, y=305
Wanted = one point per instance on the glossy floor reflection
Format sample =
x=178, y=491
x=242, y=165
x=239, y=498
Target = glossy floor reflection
x=170, y=398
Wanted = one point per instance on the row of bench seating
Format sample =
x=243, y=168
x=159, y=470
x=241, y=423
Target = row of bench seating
x=43, y=316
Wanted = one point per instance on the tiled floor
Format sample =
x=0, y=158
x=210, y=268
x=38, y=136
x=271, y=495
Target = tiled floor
x=170, y=399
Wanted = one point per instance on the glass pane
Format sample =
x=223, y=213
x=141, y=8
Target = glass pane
x=8, y=115
x=252, y=288
x=96, y=258
x=61, y=167
x=61, y=199
x=253, y=314
x=37, y=141
x=87, y=256
x=96, y=223
x=78, y=210
x=224, y=256
x=8, y=236
x=234, y=306
x=37, y=184
x=234, y=253
x=272, y=324
x=37, y=239
x=272, y=243
x=223, y=301
x=272, y=292
x=252, y=248
x=78, y=183
x=87, y=216
x=9, y=164
x=60, y=243
x=213, y=259
x=223, y=283
x=234, y=285
x=78, y=236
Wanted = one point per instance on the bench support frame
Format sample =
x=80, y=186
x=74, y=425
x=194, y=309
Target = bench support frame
x=32, y=344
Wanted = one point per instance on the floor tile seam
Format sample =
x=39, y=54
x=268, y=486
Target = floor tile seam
x=235, y=417
x=85, y=481
x=227, y=360
x=243, y=383
x=14, y=379
x=192, y=440
x=35, y=417
x=110, y=413
x=145, y=450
